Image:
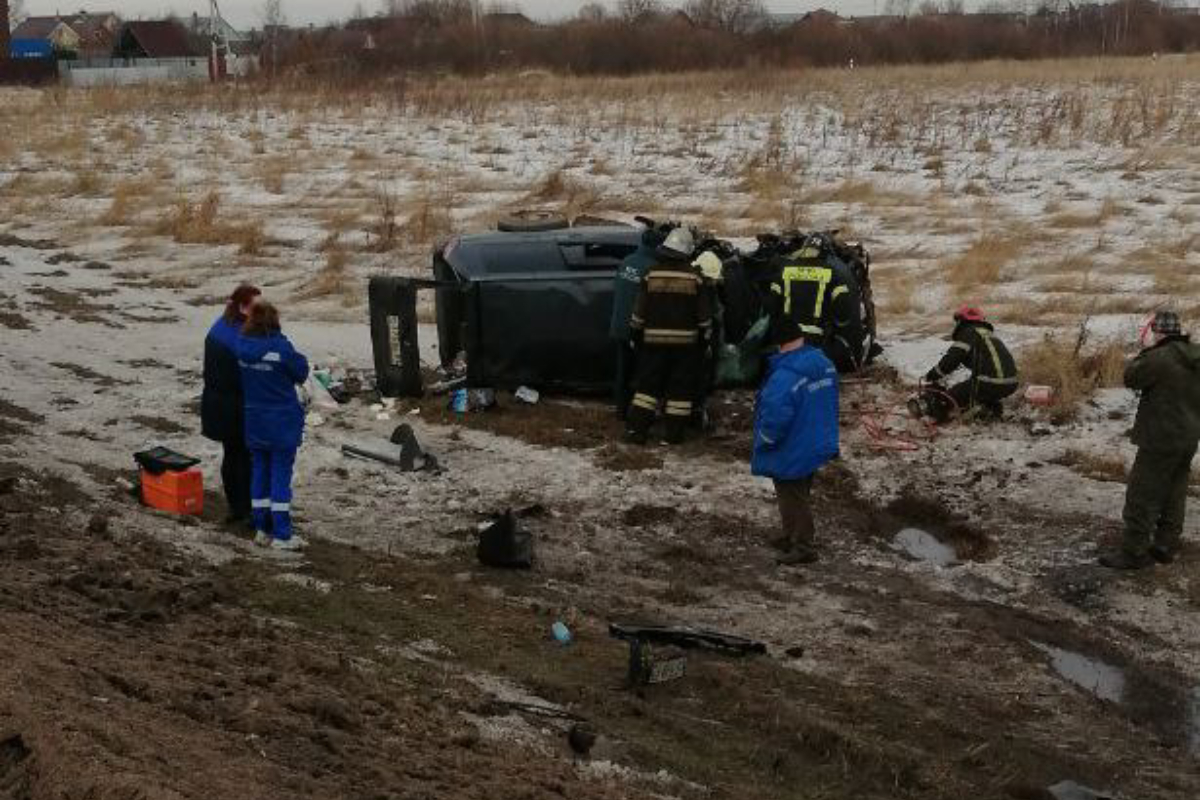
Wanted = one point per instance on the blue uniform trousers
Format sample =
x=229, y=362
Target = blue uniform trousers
x=271, y=490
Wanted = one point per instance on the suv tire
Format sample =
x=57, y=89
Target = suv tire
x=532, y=221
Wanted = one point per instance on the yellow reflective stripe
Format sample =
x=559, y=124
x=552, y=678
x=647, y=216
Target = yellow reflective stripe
x=645, y=401
x=991, y=346
x=679, y=409
x=661, y=285
x=999, y=381
x=818, y=275
x=675, y=275
x=775, y=288
x=671, y=335
x=838, y=292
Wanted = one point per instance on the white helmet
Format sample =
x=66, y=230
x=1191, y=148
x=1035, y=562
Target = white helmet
x=679, y=243
x=710, y=266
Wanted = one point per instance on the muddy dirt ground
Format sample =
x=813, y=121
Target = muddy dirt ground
x=150, y=656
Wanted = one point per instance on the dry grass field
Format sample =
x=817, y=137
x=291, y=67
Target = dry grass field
x=1048, y=192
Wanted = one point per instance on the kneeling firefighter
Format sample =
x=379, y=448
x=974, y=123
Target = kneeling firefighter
x=993, y=372
x=672, y=317
x=819, y=301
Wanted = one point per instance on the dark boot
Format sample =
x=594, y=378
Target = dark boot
x=1124, y=560
x=676, y=429
x=781, y=543
x=637, y=425
x=991, y=412
x=1165, y=553
x=799, y=554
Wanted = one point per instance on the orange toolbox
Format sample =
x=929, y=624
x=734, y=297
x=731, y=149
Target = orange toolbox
x=176, y=492
x=170, y=482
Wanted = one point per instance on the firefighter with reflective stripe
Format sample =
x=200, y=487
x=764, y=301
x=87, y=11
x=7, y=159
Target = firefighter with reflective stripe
x=626, y=286
x=672, y=317
x=993, y=372
x=814, y=298
x=271, y=371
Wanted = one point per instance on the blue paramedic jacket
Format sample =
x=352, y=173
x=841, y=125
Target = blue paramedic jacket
x=271, y=370
x=628, y=282
x=796, y=416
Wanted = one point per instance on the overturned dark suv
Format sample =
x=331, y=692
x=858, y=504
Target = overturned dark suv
x=533, y=307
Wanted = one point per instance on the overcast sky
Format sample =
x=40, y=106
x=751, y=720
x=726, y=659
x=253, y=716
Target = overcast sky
x=247, y=13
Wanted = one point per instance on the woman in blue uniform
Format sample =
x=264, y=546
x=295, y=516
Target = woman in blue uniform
x=271, y=371
x=222, y=404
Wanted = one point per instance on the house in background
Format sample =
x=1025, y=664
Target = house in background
x=203, y=27
x=82, y=35
x=97, y=32
x=55, y=30
x=159, y=39
x=161, y=51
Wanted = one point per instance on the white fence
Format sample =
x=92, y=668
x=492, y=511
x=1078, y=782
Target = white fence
x=126, y=72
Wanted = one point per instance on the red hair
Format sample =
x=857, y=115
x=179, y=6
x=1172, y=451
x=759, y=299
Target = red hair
x=241, y=296
x=263, y=320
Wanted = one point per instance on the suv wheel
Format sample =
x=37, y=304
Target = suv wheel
x=532, y=221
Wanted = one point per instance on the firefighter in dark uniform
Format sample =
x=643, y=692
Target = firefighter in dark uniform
x=626, y=286
x=673, y=318
x=811, y=298
x=845, y=332
x=993, y=372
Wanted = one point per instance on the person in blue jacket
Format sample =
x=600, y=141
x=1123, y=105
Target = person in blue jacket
x=795, y=434
x=221, y=403
x=271, y=371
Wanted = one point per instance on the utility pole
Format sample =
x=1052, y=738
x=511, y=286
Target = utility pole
x=480, y=43
x=6, y=33
x=216, y=36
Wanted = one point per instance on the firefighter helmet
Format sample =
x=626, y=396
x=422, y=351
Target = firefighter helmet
x=969, y=314
x=679, y=244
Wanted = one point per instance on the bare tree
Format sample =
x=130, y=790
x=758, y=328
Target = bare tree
x=736, y=16
x=16, y=12
x=432, y=12
x=272, y=14
x=593, y=12
x=273, y=19
x=633, y=10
